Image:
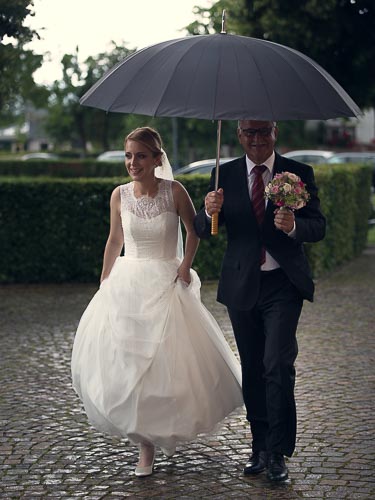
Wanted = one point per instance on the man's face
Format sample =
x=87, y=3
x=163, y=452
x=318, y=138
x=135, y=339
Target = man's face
x=257, y=139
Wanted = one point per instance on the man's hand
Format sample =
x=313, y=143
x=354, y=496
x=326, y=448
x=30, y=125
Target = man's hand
x=284, y=220
x=214, y=201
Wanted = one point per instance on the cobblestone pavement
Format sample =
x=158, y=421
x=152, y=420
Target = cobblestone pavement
x=48, y=450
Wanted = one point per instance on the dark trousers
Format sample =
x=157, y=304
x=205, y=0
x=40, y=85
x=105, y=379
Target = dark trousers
x=266, y=341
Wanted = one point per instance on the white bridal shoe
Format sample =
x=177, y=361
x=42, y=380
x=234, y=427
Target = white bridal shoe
x=168, y=452
x=146, y=470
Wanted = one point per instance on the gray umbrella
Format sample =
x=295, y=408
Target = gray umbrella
x=221, y=77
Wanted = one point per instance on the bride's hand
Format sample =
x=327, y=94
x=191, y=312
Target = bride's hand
x=183, y=274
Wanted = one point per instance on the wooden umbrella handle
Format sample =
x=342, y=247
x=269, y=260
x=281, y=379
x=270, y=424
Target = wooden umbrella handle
x=215, y=224
x=215, y=217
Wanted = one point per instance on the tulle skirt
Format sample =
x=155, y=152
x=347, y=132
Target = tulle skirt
x=149, y=361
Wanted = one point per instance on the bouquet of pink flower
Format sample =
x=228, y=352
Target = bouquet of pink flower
x=286, y=190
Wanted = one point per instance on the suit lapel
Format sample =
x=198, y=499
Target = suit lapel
x=242, y=187
x=278, y=166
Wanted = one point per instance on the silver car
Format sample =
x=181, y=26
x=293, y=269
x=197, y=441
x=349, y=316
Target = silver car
x=362, y=157
x=200, y=167
x=39, y=156
x=115, y=156
x=309, y=156
x=353, y=157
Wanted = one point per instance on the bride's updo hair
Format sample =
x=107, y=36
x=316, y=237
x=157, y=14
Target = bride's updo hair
x=147, y=136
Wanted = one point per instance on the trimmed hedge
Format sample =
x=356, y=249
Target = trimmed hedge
x=54, y=230
x=61, y=168
x=344, y=191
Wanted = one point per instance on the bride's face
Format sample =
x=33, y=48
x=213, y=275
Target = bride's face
x=140, y=161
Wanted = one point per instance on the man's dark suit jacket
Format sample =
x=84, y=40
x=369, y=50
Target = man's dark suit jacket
x=240, y=273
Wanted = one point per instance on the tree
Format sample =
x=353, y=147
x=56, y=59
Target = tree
x=12, y=16
x=17, y=65
x=68, y=121
x=338, y=34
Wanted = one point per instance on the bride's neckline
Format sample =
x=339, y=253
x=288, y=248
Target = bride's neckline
x=146, y=195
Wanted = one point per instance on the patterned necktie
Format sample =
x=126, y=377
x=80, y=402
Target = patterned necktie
x=257, y=199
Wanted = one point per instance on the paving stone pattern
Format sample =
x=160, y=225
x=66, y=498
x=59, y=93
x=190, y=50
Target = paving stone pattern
x=48, y=450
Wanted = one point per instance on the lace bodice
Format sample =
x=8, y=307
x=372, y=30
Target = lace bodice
x=150, y=225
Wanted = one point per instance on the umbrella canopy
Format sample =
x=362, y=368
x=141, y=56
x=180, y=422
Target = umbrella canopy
x=221, y=77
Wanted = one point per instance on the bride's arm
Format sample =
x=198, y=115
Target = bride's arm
x=115, y=239
x=186, y=211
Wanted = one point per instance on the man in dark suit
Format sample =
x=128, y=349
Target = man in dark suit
x=264, y=279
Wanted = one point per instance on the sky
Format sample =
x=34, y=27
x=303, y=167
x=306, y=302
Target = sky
x=93, y=24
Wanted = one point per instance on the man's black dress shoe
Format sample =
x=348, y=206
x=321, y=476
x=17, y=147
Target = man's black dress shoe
x=277, y=470
x=256, y=464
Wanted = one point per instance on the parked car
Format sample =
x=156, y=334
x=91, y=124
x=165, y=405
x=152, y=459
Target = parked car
x=309, y=156
x=200, y=167
x=353, y=157
x=115, y=156
x=363, y=157
x=39, y=156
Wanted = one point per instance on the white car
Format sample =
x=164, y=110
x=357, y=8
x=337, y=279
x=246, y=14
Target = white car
x=200, y=167
x=309, y=156
x=115, y=156
x=39, y=156
x=353, y=157
x=361, y=157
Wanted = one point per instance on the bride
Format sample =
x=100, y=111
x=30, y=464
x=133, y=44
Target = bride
x=149, y=361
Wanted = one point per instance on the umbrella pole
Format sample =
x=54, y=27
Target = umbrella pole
x=215, y=217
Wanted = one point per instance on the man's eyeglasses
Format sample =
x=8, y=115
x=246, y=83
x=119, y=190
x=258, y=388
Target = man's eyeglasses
x=251, y=132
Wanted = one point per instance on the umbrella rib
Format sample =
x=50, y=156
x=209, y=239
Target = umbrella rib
x=196, y=39
x=296, y=73
x=121, y=90
x=329, y=79
x=272, y=46
x=109, y=73
x=263, y=80
x=216, y=80
x=167, y=44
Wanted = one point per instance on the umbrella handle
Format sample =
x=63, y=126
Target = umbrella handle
x=215, y=217
x=215, y=224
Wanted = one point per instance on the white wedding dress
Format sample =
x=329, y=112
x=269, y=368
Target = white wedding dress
x=149, y=361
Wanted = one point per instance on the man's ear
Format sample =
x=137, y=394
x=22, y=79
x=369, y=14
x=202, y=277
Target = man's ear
x=239, y=134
